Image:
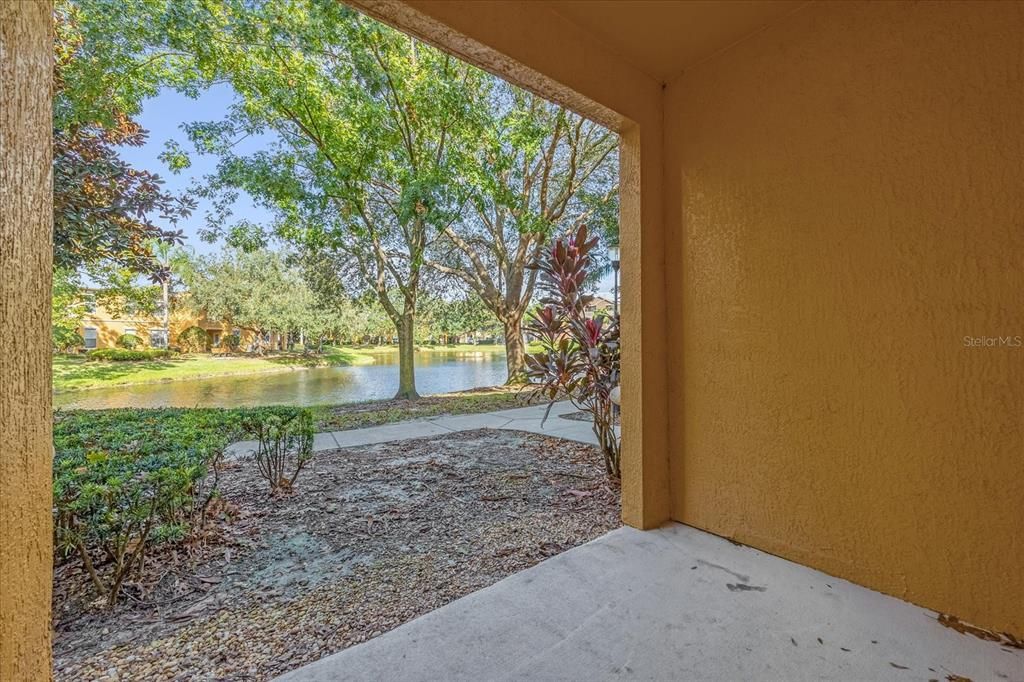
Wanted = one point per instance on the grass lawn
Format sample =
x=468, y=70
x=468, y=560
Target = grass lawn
x=75, y=373
x=377, y=412
x=325, y=417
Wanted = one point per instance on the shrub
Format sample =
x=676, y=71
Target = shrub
x=194, y=340
x=579, y=356
x=125, y=479
x=125, y=355
x=232, y=342
x=129, y=341
x=65, y=340
x=285, y=446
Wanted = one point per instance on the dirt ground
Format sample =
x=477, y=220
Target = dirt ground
x=372, y=537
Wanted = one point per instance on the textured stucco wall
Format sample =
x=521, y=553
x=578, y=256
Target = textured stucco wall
x=26, y=254
x=526, y=43
x=845, y=203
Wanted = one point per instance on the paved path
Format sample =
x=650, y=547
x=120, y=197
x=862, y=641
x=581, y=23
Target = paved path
x=518, y=419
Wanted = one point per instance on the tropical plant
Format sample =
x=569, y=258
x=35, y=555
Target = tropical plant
x=284, y=446
x=580, y=355
x=194, y=340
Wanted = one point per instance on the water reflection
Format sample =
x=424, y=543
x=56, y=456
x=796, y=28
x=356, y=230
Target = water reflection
x=436, y=372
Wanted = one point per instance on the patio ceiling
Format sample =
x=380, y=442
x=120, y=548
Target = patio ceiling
x=663, y=38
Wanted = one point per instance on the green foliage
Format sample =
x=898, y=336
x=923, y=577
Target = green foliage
x=194, y=340
x=125, y=480
x=127, y=355
x=285, y=445
x=443, y=319
x=66, y=308
x=129, y=341
x=232, y=342
x=104, y=209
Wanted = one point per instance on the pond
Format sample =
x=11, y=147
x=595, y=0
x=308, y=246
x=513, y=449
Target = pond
x=436, y=372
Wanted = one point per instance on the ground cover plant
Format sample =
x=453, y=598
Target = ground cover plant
x=128, y=480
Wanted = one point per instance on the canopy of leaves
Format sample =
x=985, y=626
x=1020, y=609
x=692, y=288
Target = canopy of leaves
x=106, y=212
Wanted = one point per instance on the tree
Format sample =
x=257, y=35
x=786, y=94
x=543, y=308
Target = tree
x=373, y=132
x=449, y=318
x=539, y=171
x=255, y=291
x=67, y=307
x=104, y=209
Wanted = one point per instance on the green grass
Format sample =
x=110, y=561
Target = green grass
x=106, y=427
x=75, y=373
x=377, y=412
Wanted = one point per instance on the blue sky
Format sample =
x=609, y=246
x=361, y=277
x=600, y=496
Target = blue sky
x=163, y=116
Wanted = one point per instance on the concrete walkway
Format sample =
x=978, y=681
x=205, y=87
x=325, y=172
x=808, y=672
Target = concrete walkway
x=671, y=604
x=518, y=419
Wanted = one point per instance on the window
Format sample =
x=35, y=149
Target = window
x=89, y=336
x=90, y=303
x=157, y=338
x=129, y=330
x=215, y=339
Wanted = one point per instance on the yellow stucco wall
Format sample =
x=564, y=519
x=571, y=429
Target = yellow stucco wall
x=845, y=203
x=110, y=325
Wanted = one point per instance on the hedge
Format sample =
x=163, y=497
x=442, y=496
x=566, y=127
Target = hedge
x=125, y=355
x=124, y=480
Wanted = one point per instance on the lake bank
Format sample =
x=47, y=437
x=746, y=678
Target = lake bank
x=373, y=377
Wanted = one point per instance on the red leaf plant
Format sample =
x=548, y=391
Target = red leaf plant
x=580, y=355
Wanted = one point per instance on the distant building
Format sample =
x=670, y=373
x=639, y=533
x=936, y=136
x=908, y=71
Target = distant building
x=600, y=304
x=101, y=328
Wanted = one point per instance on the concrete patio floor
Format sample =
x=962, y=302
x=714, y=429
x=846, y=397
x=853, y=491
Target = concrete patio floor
x=674, y=603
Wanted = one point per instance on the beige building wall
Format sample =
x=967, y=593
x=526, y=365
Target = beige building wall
x=846, y=195
x=110, y=325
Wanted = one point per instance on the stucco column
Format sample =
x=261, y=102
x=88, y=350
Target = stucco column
x=26, y=260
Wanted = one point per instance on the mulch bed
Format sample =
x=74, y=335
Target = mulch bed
x=372, y=537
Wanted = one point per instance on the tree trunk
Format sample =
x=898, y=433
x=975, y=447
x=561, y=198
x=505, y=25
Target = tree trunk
x=167, y=311
x=26, y=421
x=515, y=349
x=406, y=357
